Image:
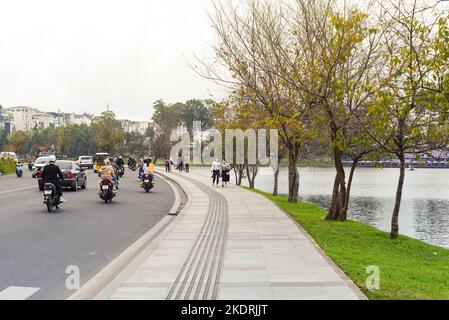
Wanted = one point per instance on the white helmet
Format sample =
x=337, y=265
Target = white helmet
x=107, y=162
x=52, y=158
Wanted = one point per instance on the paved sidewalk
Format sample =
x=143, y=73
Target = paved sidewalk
x=229, y=243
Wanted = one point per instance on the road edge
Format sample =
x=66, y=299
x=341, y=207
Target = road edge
x=98, y=286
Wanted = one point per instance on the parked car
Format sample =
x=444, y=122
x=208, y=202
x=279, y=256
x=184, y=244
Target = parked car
x=74, y=176
x=38, y=165
x=85, y=162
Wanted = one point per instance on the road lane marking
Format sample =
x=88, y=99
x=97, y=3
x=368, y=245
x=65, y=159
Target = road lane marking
x=16, y=190
x=17, y=293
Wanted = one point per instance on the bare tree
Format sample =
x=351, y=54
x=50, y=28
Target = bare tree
x=244, y=49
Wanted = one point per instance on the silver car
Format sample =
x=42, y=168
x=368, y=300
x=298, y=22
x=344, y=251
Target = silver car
x=85, y=162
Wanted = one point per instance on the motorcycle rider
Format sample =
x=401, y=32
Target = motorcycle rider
x=19, y=168
x=52, y=174
x=148, y=169
x=120, y=162
x=116, y=169
x=139, y=168
x=131, y=162
x=106, y=172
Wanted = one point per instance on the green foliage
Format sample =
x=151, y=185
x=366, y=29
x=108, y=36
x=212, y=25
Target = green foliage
x=7, y=165
x=409, y=268
x=107, y=132
x=167, y=116
x=18, y=141
x=198, y=110
x=135, y=144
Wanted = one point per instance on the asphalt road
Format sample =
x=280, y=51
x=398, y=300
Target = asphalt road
x=36, y=247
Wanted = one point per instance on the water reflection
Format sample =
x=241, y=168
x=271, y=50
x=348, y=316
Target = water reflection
x=432, y=221
x=363, y=209
x=425, y=204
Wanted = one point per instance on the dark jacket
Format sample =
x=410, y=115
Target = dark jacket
x=52, y=173
x=120, y=162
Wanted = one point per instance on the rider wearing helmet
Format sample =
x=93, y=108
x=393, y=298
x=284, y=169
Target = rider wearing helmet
x=120, y=162
x=52, y=174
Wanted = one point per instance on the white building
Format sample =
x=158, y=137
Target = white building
x=42, y=120
x=22, y=117
x=135, y=126
x=142, y=126
x=79, y=119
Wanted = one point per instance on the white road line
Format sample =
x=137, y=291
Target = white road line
x=16, y=190
x=17, y=293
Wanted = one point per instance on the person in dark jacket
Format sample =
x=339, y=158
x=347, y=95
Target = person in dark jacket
x=52, y=174
x=120, y=162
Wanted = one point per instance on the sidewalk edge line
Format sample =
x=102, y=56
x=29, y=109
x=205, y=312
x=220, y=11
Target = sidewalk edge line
x=98, y=283
x=176, y=205
x=108, y=290
x=357, y=291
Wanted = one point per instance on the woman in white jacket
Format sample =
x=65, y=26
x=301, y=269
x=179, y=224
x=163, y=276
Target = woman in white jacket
x=216, y=170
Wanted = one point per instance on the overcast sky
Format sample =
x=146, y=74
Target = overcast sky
x=81, y=55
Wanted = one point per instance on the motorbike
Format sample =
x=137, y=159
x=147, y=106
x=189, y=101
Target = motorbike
x=132, y=167
x=147, y=184
x=51, y=197
x=107, y=191
x=19, y=171
x=120, y=172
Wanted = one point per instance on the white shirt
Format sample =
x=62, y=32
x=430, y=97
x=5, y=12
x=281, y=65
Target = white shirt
x=216, y=165
x=146, y=169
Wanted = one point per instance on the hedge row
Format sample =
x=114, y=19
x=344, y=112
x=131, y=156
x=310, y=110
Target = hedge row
x=7, y=165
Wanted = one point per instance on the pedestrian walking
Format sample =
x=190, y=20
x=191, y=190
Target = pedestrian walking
x=225, y=173
x=187, y=163
x=216, y=168
x=180, y=164
x=167, y=164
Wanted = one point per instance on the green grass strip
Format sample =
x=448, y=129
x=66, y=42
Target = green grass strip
x=409, y=269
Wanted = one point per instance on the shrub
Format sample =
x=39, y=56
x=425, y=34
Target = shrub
x=7, y=165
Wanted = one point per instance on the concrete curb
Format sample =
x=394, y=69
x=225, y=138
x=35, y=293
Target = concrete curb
x=103, y=282
x=177, y=204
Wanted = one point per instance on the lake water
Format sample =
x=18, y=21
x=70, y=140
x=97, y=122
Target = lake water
x=424, y=211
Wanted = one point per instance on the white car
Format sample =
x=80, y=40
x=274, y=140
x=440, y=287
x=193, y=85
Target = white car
x=85, y=162
x=39, y=164
x=11, y=155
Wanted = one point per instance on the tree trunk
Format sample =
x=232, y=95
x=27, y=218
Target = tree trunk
x=293, y=174
x=236, y=176
x=338, y=202
x=239, y=169
x=397, y=205
x=251, y=173
x=355, y=161
x=276, y=182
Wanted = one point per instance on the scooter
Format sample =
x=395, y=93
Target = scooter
x=120, y=172
x=147, y=184
x=51, y=198
x=107, y=190
x=19, y=171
